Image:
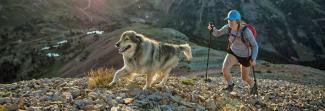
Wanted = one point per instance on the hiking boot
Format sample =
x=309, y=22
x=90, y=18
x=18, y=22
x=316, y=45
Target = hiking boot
x=253, y=89
x=229, y=88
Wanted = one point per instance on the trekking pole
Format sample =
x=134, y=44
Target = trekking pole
x=206, y=71
x=258, y=102
x=255, y=82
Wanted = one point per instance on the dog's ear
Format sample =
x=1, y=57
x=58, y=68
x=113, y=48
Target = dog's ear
x=136, y=38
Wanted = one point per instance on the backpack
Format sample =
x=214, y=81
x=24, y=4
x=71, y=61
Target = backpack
x=251, y=28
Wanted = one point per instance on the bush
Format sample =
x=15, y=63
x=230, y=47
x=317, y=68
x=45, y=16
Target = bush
x=100, y=77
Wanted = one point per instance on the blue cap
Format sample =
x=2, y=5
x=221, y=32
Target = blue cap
x=233, y=15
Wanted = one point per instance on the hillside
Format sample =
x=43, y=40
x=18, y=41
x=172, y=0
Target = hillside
x=282, y=88
x=30, y=32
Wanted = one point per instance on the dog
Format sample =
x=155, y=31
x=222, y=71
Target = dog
x=142, y=55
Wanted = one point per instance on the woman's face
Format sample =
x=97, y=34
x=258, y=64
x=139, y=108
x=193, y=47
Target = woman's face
x=232, y=23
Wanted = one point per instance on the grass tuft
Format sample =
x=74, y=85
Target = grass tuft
x=100, y=77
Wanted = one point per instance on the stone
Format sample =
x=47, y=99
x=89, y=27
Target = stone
x=35, y=109
x=234, y=94
x=176, y=98
x=100, y=101
x=99, y=107
x=244, y=108
x=11, y=107
x=119, y=100
x=93, y=95
x=2, y=100
x=128, y=100
x=211, y=105
x=114, y=109
x=68, y=96
x=80, y=104
x=75, y=92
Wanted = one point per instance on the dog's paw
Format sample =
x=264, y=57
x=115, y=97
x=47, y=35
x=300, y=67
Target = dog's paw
x=145, y=87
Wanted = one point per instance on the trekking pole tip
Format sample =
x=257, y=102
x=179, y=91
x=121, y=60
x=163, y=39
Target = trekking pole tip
x=207, y=80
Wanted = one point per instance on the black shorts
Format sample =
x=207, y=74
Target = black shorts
x=245, y=61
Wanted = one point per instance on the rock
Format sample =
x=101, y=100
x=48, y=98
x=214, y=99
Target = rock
x=179, y=108
x=81, y=104
x=128, y=100
x=27, y=93
x=62, y=84
x=2, y=100
x=253, y=101
x=93, y=95
x=110, y=101
x=114, y=109
x=176, y=98
x=234, y=94
x=155, y=97
x=88, y=108
x=35, y=109
x=12, y=86
x=99, y=107
x=244, y=108
x=211, y=105
x=142, y=103
x=11, y=107
x=100, y=101
x=119, y=100
x=278, y=108
x=75, y=92
x=68, y=96
x=165, y=107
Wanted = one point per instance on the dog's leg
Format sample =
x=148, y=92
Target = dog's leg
x=159, y=78
x=149, y=80
x=117, y=75
x=165, y=75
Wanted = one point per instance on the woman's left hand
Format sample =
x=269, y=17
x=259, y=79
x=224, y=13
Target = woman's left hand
x=254, y=62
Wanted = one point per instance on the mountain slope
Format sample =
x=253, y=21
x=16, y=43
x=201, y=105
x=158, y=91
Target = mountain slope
x=278, y=90
x=288, y=32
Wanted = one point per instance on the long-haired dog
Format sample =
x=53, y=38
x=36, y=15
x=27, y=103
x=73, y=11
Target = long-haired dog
x=145, y=56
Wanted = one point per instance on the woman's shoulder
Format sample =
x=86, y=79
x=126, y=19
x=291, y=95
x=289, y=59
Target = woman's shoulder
x=245, y=29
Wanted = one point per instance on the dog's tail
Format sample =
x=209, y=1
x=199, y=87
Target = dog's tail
x=186, y=49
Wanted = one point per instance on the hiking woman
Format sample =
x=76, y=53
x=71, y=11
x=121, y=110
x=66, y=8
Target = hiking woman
x=242, y=48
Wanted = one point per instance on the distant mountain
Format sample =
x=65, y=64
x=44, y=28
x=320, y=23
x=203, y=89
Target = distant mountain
x=288, y=31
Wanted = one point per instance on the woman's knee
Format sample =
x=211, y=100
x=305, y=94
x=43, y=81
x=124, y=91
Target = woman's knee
x=228, y=63
x=225, y=69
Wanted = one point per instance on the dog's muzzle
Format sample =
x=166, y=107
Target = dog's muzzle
x=117, y=44
x=121, y=49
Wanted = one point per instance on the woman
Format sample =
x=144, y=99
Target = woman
x=238, y=51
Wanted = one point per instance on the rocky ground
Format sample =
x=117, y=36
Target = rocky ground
x=180, y=93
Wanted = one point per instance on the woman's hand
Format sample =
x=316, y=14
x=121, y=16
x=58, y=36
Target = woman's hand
x=253, y=62
x=210, y=27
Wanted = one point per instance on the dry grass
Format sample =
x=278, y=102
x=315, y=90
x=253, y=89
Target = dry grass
x=100, y=77
x=3, y=108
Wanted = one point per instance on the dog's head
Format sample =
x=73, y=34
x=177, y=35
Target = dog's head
x=129, y=41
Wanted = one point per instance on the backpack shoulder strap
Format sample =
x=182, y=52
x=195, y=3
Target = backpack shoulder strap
x=229, y=34
x=244, y=38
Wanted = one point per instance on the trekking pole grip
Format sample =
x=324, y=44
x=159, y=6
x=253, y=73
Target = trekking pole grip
x=211, y=26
